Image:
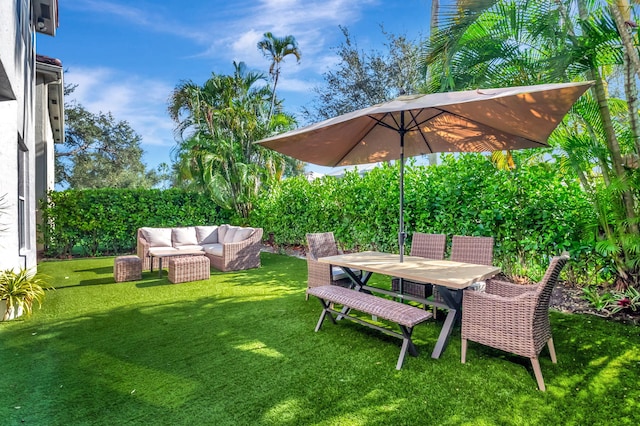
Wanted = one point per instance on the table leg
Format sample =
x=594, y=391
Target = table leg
x=160, y=267
x=453, y=299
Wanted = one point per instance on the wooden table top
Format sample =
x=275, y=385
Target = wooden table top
x=447, y=273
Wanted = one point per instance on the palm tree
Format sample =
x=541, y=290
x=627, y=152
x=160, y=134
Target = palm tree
x=276, y=49
x=216, y=125
x=486, y=43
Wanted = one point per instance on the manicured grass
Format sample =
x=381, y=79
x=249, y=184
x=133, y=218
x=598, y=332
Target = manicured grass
x=240, y=349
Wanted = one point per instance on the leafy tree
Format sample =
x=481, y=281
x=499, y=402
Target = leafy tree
x=276, y=49
x=486, y=43
x=217, y=124
x=99, y=152
x=364, y=79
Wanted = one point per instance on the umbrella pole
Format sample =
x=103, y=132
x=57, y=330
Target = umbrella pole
x=401, y=233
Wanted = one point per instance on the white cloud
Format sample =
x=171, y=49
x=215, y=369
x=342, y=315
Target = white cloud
x=141, y=102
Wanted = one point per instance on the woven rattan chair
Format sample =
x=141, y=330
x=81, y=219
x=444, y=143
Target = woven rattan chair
x=512, y=317
x=430, y=246
x=478, y=250
x=319, y=274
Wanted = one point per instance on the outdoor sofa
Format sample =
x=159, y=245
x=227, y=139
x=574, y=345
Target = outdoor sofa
x=229, y=248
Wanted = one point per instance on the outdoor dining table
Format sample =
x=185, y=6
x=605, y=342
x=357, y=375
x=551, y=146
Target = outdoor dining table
x=450, y=277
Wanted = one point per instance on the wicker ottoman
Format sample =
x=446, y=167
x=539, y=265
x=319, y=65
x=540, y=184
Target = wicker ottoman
x=127, y=268
x=188, y=268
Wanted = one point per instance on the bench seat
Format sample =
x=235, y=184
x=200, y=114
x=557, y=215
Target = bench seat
x=406, y=316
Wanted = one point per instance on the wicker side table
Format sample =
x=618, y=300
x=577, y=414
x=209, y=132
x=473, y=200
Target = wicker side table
x=188, y=268
x=127, y=268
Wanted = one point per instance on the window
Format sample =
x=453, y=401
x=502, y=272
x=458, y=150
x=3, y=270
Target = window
x=23, y=209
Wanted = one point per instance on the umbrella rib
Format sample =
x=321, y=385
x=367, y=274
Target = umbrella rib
x=383, y=124
x=417, y=126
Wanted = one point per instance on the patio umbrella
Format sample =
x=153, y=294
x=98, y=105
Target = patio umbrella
x=469, y=121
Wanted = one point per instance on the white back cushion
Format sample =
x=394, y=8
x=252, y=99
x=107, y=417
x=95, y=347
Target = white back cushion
x=231, y=233
x=157, y=237
x=184, y=236
x=242, y=234
x=222, y=232
x=207, y=234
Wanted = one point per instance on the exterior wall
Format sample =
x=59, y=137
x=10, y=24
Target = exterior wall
x=17, y=136
x=45, y=151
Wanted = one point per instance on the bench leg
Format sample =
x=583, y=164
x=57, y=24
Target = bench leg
x=407, y=345
x=325, y=310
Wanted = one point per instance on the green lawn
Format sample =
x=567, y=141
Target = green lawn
x=240, y=349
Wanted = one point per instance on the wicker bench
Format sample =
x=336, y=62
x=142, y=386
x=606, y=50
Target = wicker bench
x=406, y=316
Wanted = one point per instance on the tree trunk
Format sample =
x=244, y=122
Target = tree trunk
x=273, y=95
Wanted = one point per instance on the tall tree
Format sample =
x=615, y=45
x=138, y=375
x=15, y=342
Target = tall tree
x=362, y=79
x=276, y=49
x=486, y=43
x=217, y=124
x=100, y=152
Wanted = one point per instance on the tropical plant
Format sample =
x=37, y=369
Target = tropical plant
x=628, y=299
x=276, y=49
x=19, y=290
x=485, y=43
x=217, y=124
x=598, y=301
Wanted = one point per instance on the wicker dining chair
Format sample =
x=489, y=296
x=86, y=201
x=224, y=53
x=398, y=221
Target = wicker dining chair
x=513, y=317
x=478, y=250
x=430, y=246
x=319, y=274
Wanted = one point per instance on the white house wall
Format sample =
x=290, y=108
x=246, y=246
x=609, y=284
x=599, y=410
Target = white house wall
x=17, y=133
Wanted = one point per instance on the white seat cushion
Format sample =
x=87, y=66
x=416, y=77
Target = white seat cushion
x=214, y=249
x=157, y=237
x=194, y=247
x=184, y=236
x=478, y=286
x=162, y=249
x=207, y=234
x=338, y=273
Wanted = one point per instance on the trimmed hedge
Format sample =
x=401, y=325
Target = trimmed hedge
x=533, y=212
x=105, y=221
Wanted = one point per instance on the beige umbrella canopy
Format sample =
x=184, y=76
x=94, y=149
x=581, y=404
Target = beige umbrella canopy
x=480, y=120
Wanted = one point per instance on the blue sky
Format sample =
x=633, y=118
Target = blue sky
x=126, y=57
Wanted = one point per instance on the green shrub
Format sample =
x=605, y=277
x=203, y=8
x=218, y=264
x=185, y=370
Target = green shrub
x=100, y=221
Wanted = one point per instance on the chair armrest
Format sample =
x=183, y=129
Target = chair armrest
x=142, y=248
x=507, y=289
x=477, y=304
x=319, y=274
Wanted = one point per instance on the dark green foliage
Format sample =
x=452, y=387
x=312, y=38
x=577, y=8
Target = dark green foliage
x=533, y=212
x=100, y=151
x=106, y=220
